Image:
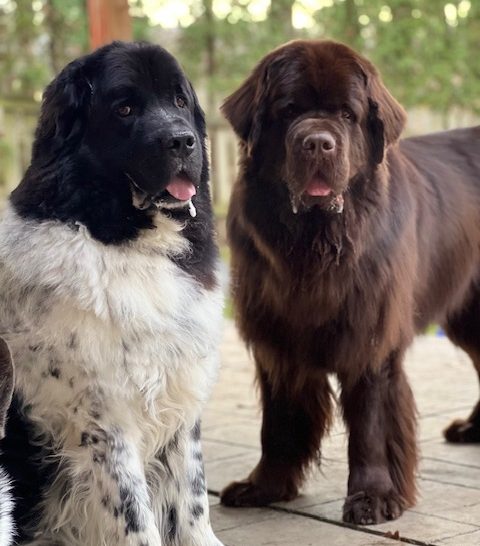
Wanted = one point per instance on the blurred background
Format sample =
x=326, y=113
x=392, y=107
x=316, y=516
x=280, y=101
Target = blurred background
x=427, y=51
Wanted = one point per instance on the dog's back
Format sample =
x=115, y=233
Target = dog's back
x=457, y=151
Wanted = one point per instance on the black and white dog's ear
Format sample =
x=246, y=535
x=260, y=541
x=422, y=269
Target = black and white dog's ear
x=198, y=112
x=6, y=384
x=65, y=106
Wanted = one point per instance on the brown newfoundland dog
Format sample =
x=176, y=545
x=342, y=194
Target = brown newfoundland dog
x=345, y=243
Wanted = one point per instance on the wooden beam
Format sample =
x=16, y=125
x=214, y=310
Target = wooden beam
x=108, y=20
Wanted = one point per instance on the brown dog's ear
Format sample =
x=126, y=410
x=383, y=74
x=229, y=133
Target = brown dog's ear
x=376, y=133
x=386, y=118
x=6, y=384
x=245, y=108
x=391, y=113
x=238, y=107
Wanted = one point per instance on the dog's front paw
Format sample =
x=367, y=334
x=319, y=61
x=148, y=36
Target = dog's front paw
x=364, y=508
x=462, y=431
x=246, y=493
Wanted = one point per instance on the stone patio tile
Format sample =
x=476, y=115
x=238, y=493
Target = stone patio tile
x=325, y=485
x=222, y=419
x=454, y=404
x=287, y=529
x=240, y=386
x=224, y=518
x=239, y=409
x=217, y=451
x=434, y=350
x=448, y=510
x=335, y=447
x=237, y=406
x=221, y=472
x=426, y=528
x=431, y=428
x=462, y=454
x=466, y=539
x=240, y=367
x=242, y=433
x=411, y=525
x=450, y=473
x=451, y=502
x=213, y=500
x=436, y=369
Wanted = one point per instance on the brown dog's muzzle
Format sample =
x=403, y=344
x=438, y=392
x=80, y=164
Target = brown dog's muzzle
x=317, y=164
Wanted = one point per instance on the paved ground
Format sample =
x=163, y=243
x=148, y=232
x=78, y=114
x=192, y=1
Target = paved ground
x=448, y=512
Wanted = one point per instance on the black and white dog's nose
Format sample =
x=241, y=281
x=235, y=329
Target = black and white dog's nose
x=181, y=144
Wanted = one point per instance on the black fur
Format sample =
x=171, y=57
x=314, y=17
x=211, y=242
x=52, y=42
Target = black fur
x=172, y=522
x=83, y=149
x=20, y=459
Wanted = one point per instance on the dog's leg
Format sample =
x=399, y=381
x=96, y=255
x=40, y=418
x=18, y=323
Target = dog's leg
x=180, y=492
x=6, y=390
x=100, y=495
x=294, y=420
x=380, y=414
x=462, y=329
x=6, y=507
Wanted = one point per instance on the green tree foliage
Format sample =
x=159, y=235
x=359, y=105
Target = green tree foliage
x=232, y=45
x=38, y=37
x=425, y=49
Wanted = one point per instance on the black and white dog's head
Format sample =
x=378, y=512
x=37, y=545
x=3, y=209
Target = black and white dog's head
x=121, y=137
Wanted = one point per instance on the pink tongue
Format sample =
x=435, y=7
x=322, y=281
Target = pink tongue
x=318, y=188
x=181, y=189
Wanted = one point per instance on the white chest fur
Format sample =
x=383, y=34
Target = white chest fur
x=113, y=333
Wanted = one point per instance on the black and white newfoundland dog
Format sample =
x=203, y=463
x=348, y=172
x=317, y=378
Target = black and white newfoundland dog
x=111, y=306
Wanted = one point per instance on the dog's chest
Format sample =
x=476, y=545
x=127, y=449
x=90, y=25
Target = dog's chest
x=109, y=333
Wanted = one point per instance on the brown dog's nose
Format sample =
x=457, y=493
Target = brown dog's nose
x=319, y=143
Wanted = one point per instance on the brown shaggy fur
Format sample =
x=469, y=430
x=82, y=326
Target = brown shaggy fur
x=321, y=291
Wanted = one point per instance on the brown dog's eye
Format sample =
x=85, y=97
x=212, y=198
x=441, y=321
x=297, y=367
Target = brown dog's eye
x=180, y=102
x=348, y=114
x=124, y=111
x=290, y=110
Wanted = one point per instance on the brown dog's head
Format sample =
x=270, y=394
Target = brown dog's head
x=315, y=114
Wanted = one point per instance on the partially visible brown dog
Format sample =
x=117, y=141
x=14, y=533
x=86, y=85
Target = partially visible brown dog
x=344, y=244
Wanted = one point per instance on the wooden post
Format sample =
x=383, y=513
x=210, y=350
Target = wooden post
x=108, y=20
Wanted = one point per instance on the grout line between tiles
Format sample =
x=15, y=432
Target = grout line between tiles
x=420, y=477
x=329, y=521
x=446, y=461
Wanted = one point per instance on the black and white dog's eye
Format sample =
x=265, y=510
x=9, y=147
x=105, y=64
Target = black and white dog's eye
x=124, y=111
x=180, y=102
